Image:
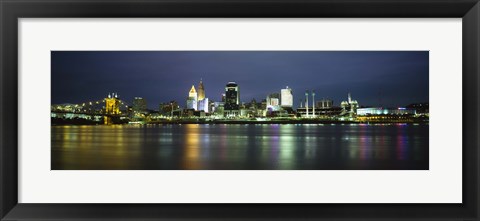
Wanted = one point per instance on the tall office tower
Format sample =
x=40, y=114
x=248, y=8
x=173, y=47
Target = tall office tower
x=139, y=105
x=201, y=91
x=192, y=99
x=232, y=99
x=202, y=101
x=286, y=97
x=203, y=105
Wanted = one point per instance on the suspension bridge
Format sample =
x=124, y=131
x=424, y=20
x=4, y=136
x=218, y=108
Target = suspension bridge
x=109, y=110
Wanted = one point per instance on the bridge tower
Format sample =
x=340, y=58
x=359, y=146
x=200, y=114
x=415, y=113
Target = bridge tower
x=112, y=107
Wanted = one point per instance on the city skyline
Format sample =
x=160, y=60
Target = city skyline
x=374, y=78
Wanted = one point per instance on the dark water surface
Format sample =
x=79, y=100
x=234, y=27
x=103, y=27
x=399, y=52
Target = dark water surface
x=240, y=147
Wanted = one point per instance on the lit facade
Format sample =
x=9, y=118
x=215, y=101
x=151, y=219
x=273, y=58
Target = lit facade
x=167, y=109
x=192, y=99
x=349, y=106
x=139, y=105
x=232, y=100
x=202, y=101
x=324, y=103
x=286, y=97
x=201, y=91
x=385, y=111
x=203, y=105
x=273, y=102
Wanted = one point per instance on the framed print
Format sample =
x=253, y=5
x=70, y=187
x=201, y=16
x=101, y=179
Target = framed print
x=319, y=110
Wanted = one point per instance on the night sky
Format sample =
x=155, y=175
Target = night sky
x=374, y=78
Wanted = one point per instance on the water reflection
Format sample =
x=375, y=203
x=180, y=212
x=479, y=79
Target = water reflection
x=191, y=160
x=240, y=147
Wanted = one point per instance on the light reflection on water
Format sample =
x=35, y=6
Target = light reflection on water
x=240, y=147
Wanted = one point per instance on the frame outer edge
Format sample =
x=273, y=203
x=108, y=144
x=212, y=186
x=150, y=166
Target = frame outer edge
x=476, y=156
x=9, y=109
x=470, y=118
x=2, y=147
x=3, y=210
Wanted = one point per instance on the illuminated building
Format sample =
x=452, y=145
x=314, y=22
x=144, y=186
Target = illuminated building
x=322, y=108
x=273, y=102
x=385, y=111
x=67, y=108
x=203, y=105
x=254, y=109
x=286, y=97
x=202, y=101
x=167, y=109
x=320, y=113
x=191, y=103
x=273, y=99
x=388, y=115
x=350, y=106
x=218, y=109
x=201, y=91
x=324, y=103
x=188, y=112
x=192, y=99
x=420, y=108
x=232, y=100
x=139, y=105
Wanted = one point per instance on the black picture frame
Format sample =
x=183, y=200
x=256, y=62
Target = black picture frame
x=12, y=10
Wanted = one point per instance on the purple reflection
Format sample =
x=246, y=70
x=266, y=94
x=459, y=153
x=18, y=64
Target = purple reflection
x=401, y=148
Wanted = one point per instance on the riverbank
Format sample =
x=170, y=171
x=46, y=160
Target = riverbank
x=285, y=122
x=269, y=121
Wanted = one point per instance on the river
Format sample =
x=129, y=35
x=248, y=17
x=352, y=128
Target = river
x=241, y=147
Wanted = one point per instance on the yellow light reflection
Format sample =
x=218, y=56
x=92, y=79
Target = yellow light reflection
x=191, y=160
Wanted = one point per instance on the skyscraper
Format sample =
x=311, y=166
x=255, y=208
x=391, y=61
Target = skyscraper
x=201, y=91
x=286, y=97
x=192, y=99
x=202, y=101
x=203, y=105
x=232, y=99
x=139, y=105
